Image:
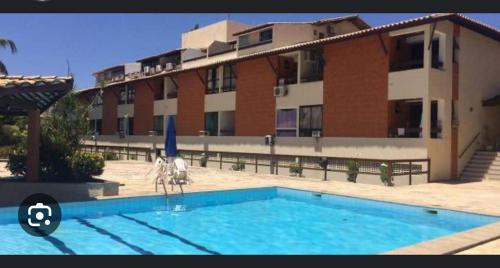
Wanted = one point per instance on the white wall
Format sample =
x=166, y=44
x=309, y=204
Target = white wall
x=204, y=36
x=124, y=109
x=376, y=148
x=479, y=79
x=310, y=93
x=96, y=112
x=225, y=101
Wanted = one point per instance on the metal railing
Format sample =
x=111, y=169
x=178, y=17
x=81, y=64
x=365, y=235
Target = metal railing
x=273, y=162
x=396, y=167
x=122, y=152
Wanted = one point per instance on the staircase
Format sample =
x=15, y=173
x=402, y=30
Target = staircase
x=483, y=165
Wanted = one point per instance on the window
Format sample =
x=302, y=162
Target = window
x=212, y=80
x=437, y=63
x=159, y=92
x=127, y=95
x=286, y=123
x=310, y=119
x=158, y=124
x=229, y=82
x=226, y=123
x=98, y=128
x=122, y=125
x=97, y=100
x=266, y=35
x=436, y=119
x=130, y=94
x=244, y=40
x=212, y=123
x=456, y=49
x=123, y=96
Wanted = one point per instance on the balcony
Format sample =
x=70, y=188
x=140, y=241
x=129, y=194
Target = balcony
x=405, y=118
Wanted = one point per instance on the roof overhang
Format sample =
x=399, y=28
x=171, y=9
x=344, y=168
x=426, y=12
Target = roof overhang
x=494, y=101
x=21, y=94
x=462, y=20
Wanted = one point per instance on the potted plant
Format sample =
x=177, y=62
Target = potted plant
x=203, y=160
x=295, y=169
x=384, y=175
x=352, y=170
x=239, y=166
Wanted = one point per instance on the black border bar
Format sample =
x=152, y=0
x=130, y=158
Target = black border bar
x=247, y=6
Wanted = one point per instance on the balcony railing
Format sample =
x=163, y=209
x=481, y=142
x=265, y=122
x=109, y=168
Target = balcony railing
x=290, y=80
x=311, y=77
x=407, y=65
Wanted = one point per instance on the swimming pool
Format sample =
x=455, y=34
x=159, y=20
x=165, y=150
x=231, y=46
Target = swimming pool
x=270, y=220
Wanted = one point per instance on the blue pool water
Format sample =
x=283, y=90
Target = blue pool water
x=251, y=221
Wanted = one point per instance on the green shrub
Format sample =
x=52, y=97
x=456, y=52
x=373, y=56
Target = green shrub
x=16, y=162
x=203, y=160
x=352, y=170
x=62, y=130
x=85, y=165
x=295, y=169
x=110, y=156
x=239, y=166
x=384, y=175
x=5, y=151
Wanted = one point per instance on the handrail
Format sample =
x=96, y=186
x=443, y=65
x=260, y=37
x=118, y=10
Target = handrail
x=397, y=167
x=469, y=145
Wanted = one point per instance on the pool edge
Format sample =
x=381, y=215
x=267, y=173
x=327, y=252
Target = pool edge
x=453, y=243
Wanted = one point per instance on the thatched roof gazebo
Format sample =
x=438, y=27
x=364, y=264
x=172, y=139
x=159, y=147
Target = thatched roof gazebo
x=30, y=96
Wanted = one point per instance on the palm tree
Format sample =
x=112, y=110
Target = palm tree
x=6, y=43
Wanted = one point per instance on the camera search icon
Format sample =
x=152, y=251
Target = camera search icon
x=39, y=215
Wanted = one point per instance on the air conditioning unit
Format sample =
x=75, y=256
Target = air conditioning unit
x=169, y=66
x=280, y=91
x=203, y=133
x=159, y=68
x=316, y=134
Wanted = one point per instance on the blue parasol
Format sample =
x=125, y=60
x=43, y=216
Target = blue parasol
x=170, y=141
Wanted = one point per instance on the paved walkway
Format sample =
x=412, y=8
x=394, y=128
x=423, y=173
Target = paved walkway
x=478, y=197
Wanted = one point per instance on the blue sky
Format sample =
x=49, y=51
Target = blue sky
x=89, y=42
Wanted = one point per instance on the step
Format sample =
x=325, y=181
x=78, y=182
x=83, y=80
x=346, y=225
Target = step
x=486, y=158
x=471, y=178
x=473, y=174
x=488, y=170
x=483, y=165
x=493, y=176
x=485, y=161
x=488, y=153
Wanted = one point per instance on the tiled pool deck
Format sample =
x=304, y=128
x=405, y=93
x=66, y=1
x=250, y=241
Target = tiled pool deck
x=477, y=197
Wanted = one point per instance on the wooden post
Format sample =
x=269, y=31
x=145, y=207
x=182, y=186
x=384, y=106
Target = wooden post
x=428, y=170
x=410, y=172
x=276, y=163
x=256, y=163
x=220, y=160
x=33, y=156
x=325, y=176
x=389, y=171
x=191, y=158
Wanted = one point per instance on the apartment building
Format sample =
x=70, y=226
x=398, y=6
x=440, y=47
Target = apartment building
x=421, y=88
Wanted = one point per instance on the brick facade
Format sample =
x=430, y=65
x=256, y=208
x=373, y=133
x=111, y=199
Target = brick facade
x=144, y=106
x=191, y=103
x=355, y=94
x=255, y=102
x=109, y=111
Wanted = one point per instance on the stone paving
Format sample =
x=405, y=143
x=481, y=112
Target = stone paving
x=478, y=197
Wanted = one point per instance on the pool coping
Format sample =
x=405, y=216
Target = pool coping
x=445, y=245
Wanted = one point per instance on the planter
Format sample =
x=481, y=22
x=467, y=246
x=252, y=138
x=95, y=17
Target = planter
x=13, y=192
